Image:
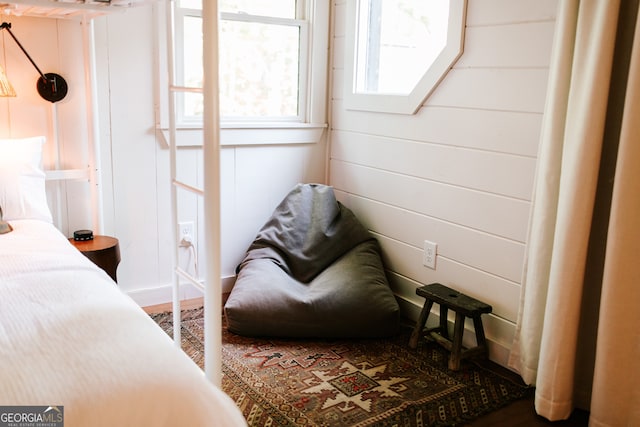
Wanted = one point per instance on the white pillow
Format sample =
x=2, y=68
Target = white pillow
x=22, y=189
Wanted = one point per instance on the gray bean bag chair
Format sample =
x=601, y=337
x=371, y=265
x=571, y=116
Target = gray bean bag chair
x=312, y=271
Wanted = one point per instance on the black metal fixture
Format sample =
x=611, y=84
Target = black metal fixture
x=51, y=86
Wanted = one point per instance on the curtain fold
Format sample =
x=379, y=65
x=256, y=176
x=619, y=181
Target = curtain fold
x=526, y=346
x=581, y=147
x=616, y=391
x=556, y=297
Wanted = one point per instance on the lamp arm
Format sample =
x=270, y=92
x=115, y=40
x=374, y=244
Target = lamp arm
x=50, y=86
x=7, y=26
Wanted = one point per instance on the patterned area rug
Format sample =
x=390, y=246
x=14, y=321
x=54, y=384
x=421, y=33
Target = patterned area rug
x=368, y=382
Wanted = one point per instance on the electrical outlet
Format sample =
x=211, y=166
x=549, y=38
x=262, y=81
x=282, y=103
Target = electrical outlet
x=430, y=252
x=185, y=233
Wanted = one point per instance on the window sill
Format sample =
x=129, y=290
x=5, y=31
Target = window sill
x=246, y=134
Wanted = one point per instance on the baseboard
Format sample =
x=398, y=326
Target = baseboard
x=164, y=294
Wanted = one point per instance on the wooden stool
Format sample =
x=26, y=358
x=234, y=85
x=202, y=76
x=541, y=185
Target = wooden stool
x=464, y=306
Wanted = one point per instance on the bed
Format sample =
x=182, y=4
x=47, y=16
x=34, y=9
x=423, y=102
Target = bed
x=70, y=338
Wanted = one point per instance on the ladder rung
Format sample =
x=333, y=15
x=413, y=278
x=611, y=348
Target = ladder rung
x=188, y=187
x=193, y=280
x=185, y=89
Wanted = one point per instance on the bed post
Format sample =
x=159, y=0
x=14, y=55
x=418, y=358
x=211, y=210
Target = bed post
x=212, y=285
x=211, y=145
x=95, y=166
x=175, y=288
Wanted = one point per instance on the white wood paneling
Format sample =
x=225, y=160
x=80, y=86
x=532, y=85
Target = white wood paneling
x=339, y=13
x=489, y=171
x=513, y=45
x=74, y=119
x=460, y=171
x=132, y=145
x=476, y=249
x=502, y=89
x=499, y=131
x=101, y=40
x=499, y=12
x=264, y=177
x=401, y=257
x=485, y=212
x=338, y=57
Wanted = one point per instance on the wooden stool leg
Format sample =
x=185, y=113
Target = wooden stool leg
x=480, y=338
x=422, y=320
x=456, y=348
x=444, y=329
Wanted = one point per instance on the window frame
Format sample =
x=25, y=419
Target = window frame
x=307, y=127
x=395, y=103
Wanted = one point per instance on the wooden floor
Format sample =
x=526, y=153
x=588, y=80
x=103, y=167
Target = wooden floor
x=522, y=412
x=518, y=414
x=184, y=305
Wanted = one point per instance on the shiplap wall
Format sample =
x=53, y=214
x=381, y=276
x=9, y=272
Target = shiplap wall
x=460, y=172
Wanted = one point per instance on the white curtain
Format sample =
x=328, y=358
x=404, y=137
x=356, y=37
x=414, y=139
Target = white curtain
x=578, y=330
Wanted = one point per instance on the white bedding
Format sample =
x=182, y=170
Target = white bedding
x=70, y=337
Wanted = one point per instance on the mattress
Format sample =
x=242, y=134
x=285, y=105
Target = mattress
x=70, y=338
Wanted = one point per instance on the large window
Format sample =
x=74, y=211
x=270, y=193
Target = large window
x=265, y=51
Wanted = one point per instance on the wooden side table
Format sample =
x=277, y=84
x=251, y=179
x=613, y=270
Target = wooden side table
x=104, y=251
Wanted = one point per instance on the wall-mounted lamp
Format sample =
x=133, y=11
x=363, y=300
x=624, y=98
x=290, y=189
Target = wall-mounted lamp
x=51, y=86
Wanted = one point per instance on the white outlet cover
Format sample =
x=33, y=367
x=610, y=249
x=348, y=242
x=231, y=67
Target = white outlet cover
x=430, y=253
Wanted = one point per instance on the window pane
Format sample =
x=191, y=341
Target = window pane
x=192, y=52
x=192, y=69
x=258, y=69
x=398, y=40
x=193, y=107
x=276, y=8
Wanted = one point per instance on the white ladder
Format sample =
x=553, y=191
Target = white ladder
x=212, y=285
